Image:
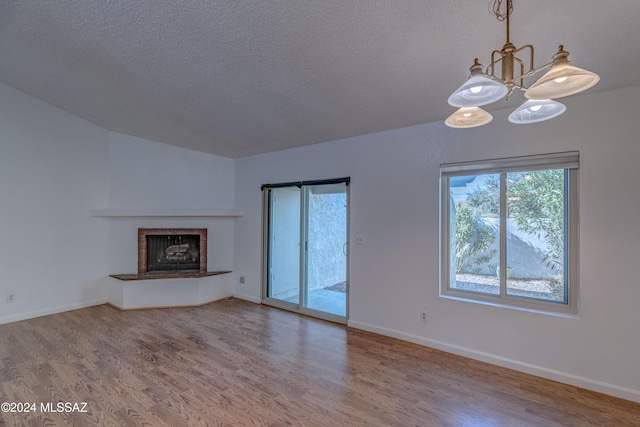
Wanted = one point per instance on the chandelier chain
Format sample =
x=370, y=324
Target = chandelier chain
x=497, y=6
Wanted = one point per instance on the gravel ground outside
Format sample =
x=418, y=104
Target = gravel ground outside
x=338, y=287
x=539, y=289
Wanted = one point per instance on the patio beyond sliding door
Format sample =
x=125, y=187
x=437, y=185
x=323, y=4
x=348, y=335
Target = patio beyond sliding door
x=306, y=247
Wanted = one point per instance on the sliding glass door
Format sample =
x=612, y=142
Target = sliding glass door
x=306, y=233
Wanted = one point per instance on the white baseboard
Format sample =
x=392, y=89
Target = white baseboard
x=563, y=377
x=247, y=298
x=50, y=310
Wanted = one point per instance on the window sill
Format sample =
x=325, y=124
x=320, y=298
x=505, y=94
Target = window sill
x=497, y=303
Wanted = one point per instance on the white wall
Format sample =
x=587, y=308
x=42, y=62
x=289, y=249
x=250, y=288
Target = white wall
x=395, y=209
x=147, y=175
x=150, y=175
x=53, y=170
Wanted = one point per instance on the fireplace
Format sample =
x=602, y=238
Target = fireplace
x=172, y=250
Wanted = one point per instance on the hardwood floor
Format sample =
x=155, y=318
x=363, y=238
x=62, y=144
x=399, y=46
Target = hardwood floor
x=234, y=363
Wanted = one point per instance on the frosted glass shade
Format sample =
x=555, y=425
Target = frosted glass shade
x=476, y=91
x=560, y=81
x=536, y=110
x=468, y=118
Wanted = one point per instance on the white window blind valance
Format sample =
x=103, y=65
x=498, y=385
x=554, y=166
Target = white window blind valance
x=566, y=160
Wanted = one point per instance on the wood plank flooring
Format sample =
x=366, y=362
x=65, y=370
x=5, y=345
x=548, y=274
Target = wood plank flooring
x=233, y=363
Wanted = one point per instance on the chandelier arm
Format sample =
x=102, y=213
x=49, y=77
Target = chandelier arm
x=531, y=54
x=537, y=70
x=494, y=61
x=521, y=77
x=491, y=68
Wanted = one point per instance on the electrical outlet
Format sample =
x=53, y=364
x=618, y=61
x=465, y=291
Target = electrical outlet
x=241, y=279
x=359, y=240
x=423, y=316
x=11, y=296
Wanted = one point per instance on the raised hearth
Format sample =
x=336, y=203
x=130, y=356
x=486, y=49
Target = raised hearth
x=168, y=275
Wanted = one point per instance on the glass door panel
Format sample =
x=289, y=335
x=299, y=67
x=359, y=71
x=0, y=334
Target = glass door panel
x=283, y=276
x=326, y=249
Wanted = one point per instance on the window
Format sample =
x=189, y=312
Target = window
x=509, y=231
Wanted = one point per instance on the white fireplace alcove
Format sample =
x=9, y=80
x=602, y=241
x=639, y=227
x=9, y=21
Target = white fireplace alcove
x=131, y=290
x=164, y=293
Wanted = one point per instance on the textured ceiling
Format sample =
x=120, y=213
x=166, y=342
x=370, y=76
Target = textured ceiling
x=236, y=78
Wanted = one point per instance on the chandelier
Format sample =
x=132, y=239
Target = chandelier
x=486, y=86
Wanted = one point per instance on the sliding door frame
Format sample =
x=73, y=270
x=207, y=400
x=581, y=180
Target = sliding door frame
x=266, y=228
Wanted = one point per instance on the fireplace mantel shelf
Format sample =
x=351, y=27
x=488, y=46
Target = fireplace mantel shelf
x=165, y=275
x=174, y=213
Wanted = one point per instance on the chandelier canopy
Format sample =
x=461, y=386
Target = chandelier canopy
x=486, y=86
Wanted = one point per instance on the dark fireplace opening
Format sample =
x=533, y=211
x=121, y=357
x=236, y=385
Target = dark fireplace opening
x=168, y=250
x=173, y=252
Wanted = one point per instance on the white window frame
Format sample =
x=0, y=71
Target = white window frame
x=566, y=160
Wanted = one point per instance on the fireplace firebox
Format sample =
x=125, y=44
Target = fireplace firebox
x=172, y=250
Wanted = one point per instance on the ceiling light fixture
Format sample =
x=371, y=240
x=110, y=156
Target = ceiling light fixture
x=536, y=110
x=468, y=117
x=486, y=86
